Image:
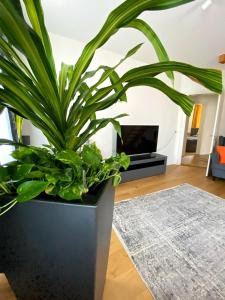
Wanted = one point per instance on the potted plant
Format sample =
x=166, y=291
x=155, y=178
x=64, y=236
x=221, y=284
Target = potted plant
x=57, y=200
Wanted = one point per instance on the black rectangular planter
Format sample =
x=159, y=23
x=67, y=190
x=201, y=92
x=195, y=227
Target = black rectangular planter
x=57, y=250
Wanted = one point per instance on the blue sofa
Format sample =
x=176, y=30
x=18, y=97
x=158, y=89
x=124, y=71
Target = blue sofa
x=218, y=170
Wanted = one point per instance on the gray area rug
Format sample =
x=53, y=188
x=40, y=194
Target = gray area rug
x=176, y=240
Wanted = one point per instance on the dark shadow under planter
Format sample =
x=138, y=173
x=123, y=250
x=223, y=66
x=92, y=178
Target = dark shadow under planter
x=57, y=250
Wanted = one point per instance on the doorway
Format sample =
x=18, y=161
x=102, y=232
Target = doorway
x=199, y=131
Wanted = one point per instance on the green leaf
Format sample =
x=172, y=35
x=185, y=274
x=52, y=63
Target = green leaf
x=65, y=175
x=35, y=175
x=11, y=143
x=36, y=16
x=94, y=127
x=180, y=99
x=69, y=157
x=124, y=160
x=116, y=180
x=19, y=126
x=52, y=189
x=91, y=156
x=29, y=44
x=22, y=171
x=13, y=57
x=109, y=72
x=64, y=78
x=73, y=192
x=117, y=127
x=210, y=78
x=24, y=154
x=3, y=174
x=118, y=18
x=29, y=190
x=155, y=41
x=15, y=72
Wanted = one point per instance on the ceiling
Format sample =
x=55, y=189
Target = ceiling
x=189, y=33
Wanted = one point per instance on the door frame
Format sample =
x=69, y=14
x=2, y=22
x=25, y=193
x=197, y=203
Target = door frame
x=214, y=132
x=182, y=121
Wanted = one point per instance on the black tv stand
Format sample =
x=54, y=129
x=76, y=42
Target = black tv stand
x=142, y=156
x=144, y=166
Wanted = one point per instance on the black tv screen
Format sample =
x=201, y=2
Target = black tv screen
x=137, y=139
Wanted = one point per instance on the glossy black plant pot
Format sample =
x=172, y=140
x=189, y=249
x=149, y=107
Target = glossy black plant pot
x=57, y=250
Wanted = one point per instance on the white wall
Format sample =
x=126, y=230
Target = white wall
x=221, y=122
x=5, y=133
x=191, y=88
x=145, y=106
x=220, y=130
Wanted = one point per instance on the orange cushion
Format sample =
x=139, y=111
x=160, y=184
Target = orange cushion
x=221, y=151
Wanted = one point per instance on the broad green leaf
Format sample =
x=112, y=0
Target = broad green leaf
x=69, y=157
x=91, y=156
x=30, y=189
x=73, y=192
x=155, y=41
x=52, y=189
x=210, y=78
x=22, y=153
x=13, y=57
x=50, y=131
x=118, y=18
x=52, y=178
x=19, y=126
x=22, y=171
x=64, y=78
x=35, y=175
x=94, y=127
x=180, y=99
x=131, y=52
x=117, y=127
x=36, y=16
x=65, y=175
x=15, y=72
x=124, y=160
x=10, y=143
x=62, y=109
x=3, y=174
x=31, y=103
x=110, y=73
x=29, y=44
x=118, y=86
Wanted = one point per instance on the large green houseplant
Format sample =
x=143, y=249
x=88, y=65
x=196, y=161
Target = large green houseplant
x=56, y=246
x=64, y=107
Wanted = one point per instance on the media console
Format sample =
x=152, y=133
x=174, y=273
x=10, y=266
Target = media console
x=144, y=166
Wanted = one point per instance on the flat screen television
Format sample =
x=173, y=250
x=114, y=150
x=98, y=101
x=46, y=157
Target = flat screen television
x=137, y=139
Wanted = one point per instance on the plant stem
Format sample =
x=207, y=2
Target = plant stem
x=15, y=202
x=7, y=204
x=5, y=188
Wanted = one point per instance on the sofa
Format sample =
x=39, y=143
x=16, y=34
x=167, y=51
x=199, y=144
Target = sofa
x=218, y=169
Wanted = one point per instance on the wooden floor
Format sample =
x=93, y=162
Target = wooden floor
x=123, y=281
x=195, y=160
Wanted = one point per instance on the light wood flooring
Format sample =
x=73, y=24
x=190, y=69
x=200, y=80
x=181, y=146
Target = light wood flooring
x=195, y=160
x=123, y=281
